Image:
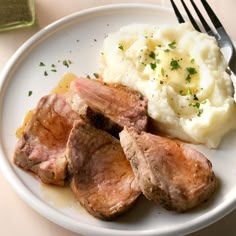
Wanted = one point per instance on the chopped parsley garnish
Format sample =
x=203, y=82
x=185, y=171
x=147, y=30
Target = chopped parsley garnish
x=53, y=65
x=192, y=60
x=167, y=50
x=153, y=65
x=188, y=92
x=96, y=75
x=197, y=104
x=121, y=47
x=30, y=93
x=158, y=61
x=191, y=70
x=53, y=70
x=199, y=112
x=188, y=78
x=174, y=65
x=66, y=63
x=152, y=55
x=45, y=73
x=41, y=64
x=172, y=45
x=195, y=97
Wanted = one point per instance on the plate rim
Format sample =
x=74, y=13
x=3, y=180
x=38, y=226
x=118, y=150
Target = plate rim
x=39, y=205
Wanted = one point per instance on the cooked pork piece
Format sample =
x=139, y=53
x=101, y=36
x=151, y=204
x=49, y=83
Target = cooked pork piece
x=116, y=102
x=103, y=181
x=97, y=119
x=42, y=145
x=170, y=173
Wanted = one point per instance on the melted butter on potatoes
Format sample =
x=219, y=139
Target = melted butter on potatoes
x=181, y=72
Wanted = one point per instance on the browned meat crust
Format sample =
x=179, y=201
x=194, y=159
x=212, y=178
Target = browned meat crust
x=42, y=145
x=168, y=172
x=103, y=181
x=120, y=104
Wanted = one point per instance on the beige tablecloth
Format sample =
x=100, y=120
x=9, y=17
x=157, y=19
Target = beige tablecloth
x=16, y=217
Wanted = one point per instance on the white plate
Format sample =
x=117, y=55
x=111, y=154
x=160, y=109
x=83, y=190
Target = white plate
x=79, y=38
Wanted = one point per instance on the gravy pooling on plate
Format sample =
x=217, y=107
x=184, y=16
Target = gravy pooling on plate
x=62, y=87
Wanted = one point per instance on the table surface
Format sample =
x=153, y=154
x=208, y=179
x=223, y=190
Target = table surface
x=16, y=217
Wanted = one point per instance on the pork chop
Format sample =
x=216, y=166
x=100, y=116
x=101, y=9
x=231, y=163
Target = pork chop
x=103, y=181
x=120, y=104
x=170, y=173
x=42, y=145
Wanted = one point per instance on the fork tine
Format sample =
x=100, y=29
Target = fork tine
x=190, y=16
x=216, y=22
x=203, y=21
x=177, y=13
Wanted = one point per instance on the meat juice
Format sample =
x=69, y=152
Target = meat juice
x=60, y=197
x=60, y=88
x=64, y=83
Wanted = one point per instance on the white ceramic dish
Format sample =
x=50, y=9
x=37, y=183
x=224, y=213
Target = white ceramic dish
x=79, y=38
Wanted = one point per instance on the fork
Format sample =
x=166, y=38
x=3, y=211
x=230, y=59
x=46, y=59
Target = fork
x=221, y=36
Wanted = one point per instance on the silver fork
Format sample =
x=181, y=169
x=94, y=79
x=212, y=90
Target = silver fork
x=221, y=36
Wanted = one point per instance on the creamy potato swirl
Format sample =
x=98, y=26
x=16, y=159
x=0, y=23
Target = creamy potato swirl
x=182, y=73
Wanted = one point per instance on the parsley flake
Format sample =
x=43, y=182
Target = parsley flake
x=197, y=104
x=172, y=45
x=152, y=55
x=174, y=65
x=195, y=97
x=45, y=73
x=30, y=93
x=199, y=112
x=153, y=65
x=96, y=75
x=188, y=78
x=121, y=47
x=65, y=63
x=191, y=70
x=41, y=64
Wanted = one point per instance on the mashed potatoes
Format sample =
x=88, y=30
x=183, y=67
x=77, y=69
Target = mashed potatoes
x=181, y=72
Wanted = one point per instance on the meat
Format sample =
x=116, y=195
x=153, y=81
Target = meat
x=170, y=173
x=103, y=181
x=67, y=135
x=42, y=145
x=121, y=105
